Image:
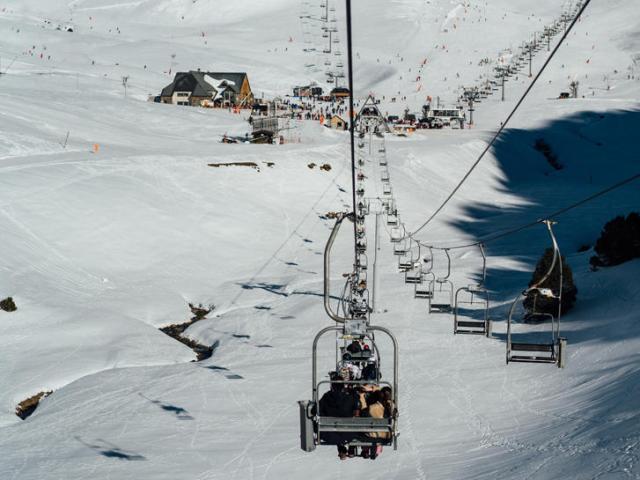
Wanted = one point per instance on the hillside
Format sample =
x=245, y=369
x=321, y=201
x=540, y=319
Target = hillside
x=102, y=248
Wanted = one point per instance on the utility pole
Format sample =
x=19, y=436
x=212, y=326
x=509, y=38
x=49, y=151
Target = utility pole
x=547, y=34
x=471, y=95
x=125, y=79
x=502, y=74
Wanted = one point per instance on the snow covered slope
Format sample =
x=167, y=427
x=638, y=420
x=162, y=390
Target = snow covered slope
x=101, y=249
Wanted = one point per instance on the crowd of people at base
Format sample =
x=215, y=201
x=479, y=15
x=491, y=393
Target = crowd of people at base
x=357, y=400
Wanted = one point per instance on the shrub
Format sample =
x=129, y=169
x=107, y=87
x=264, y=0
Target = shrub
x=569, y=290
x=8, y=305
x=619, y=241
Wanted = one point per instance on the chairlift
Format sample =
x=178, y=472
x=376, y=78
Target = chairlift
x=384, y=176
x=363, y=261
x=400, y=247
x=392, y=221
x=473, y=299
x=364, y=206
x=365, y=432
x=531, y=347
x=386, y=189
x=397, y=233
x=413, y=274
x=408, y=260
x=441, y=288
x=361, y=245
x=390, y=206
x=383, y=161
x=423, y=290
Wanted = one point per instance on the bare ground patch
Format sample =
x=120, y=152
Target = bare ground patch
x=27, y=406
x=176, y=330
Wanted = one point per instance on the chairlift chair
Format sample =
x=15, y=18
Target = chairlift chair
x=413, y=274
x=392, y=220
x=361, y=245
x=390, y=206
x=442, y=288
x=400, y=247
x=406, y=262
x=423, y=289
x=397, y=233
x=534, y=351
x=363, y=261
x=386, y=189
x=359, y=307
x=384, y=176
x=317, y=429
x=474, y=298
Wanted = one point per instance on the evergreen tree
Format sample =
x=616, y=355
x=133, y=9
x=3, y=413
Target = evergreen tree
x=569, y=290
x=619, y=241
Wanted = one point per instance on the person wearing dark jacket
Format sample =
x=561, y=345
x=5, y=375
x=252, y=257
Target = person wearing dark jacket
x=338, y=402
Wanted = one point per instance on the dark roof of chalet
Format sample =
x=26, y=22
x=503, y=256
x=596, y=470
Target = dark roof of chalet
x=194, y=82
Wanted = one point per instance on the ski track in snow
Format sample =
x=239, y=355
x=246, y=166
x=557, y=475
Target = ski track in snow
x=99, y=249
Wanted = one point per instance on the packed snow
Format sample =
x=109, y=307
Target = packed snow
x=113, y=222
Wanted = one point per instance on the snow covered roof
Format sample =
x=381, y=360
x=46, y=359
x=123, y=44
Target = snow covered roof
x=205, y=84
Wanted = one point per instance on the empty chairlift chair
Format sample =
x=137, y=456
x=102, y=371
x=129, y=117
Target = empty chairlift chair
x=397, y=233
x=441, y=288
x=473, y=301
x=423, y=289
x=405, y=262
x=384, y=175
x=363, y=261
x=386, y=189
x=540, y=341
x=401, y=247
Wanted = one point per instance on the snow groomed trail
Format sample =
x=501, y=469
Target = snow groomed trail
x=99, y=250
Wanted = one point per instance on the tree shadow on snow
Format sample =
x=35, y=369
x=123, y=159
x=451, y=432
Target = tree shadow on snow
x=594, y=151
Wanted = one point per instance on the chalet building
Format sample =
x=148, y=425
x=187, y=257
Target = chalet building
x=209, y=89
x=340, y=93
